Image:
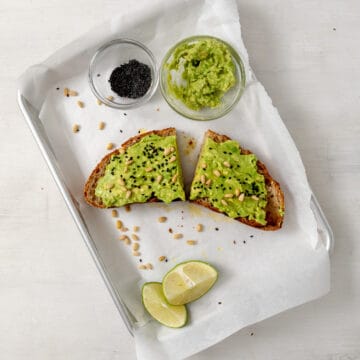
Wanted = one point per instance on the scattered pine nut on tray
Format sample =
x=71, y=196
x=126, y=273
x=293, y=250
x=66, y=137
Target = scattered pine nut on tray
x=114, y=213
x=101, y=125
x=80, y=104
x=109, y=146
x=199, y=227
x=162, y=219
x=75, y=128
x=191, y=242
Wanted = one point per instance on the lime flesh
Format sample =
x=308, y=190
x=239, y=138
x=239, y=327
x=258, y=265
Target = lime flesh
x=188, y=281
x=155, y=303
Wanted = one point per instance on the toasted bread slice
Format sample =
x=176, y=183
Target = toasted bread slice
x=117, y=192
x=275, y=206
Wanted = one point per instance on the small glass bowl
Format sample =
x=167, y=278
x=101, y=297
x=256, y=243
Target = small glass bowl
x=228, y=101
x=110, y=56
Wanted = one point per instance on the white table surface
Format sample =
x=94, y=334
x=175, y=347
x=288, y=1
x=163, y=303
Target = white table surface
x=53, y=302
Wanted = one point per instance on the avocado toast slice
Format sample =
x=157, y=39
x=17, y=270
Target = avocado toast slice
x=146, y=168
x=232, y=181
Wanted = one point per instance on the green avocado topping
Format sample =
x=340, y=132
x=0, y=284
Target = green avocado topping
x=230, y=181
x=207, y=73
x=149, y=168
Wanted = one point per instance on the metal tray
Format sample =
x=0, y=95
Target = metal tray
x=32, y=119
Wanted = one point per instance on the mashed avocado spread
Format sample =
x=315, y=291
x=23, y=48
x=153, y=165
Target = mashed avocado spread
x=149, y=168
x=207, y=72
x=230, y=181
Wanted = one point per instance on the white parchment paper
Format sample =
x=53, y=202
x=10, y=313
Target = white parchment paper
x=261, y=273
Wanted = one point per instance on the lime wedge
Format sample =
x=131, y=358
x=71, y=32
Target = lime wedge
x=188, y=281
x=157, y=306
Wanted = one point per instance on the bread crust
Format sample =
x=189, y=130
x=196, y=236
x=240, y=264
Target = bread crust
x=98, y=172
x=275, y=196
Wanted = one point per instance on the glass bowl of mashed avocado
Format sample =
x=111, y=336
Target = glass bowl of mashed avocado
x=202, y=77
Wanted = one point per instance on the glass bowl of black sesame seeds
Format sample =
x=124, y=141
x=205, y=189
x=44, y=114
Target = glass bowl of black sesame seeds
x=122, y=74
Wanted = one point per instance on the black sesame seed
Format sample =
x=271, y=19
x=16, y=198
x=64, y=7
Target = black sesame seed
x=131, y=80
x=217, y=229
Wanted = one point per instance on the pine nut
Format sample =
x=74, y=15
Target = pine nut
x=80, y=104
x=159, y=178
x=241, y=197
x=66, y=92
x=229, y=195
x=177, y=236
x=101, y=125
x=224, y=202
x=72, y=93
x=174, y=178
x=121, y=151
x=149, y=266
x=199, y=227
x=148, y=169
x=136, y=253
x=172, y=159
x=167, y=151
x=135, y=237
x=119, y=224
x=127, y=241
x=136, y=228
x=226, y=163
x=111, y=98
x=254, y=197
x=129, y=162
x=216, y=173
x=121, y=182
x=191, y=242
x=202, y=179
x=142, y=267
x=109, y=146
x=208, y=183
x=237, y=192
x=128, y=194
x=99, y=102
x=162, y=258
x=114, y=213
x=135, y=246
x=75, y=128
x=162, y=219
